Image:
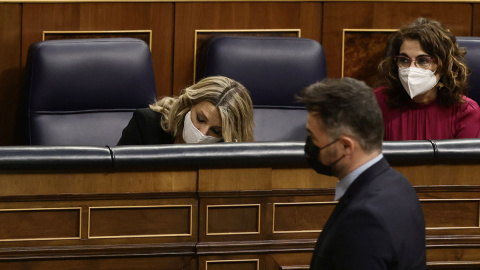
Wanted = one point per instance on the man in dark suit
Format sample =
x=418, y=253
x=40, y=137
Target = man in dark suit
x=378, y=222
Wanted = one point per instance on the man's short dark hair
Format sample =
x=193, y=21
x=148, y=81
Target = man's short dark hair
x=346, y=107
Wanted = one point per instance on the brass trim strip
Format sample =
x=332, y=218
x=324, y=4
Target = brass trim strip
x=197, y=31
x=50, y=238
x=140, y=235
x=454, y=228
x=296, y=203
x=359, y=30
x=452, y=263
x=149, y=32
x=257, y=261
x=233, y=205
x=295, y=267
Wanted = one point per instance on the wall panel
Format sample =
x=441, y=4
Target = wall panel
x=476, y=20
x=382, y=15
x=10, y=70
x=246, y=15
x=157, y=17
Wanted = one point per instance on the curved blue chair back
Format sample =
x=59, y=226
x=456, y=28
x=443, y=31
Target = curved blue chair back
x=274, y=70
x=472, y=45
x=83, y=91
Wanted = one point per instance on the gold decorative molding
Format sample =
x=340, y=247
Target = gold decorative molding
x=140, y=235
x=208, y=34
x=256, y=261
x=230, y=206
x=49, y=35
x=298, y=203
x=47, y=209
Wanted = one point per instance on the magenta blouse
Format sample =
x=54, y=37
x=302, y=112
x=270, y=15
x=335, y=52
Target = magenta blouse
x=429, y=121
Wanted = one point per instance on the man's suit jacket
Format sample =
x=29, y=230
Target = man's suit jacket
x=377, y=224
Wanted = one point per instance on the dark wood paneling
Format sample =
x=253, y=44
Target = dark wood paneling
x=39, y=224
x=247, y=261
x=157, y=17
x=10, y=71
x=476, y=20
x=291, y=261
x=298, y=217
x=362, y=52
x=113, y=263
x=96, y=183
x=450, y=206
x=233, y=265
x=450, y=213
x=248, y=15
x=233, y=219
x=139, y=34
x=140, y=221
x=382, y=15
x=453, y=256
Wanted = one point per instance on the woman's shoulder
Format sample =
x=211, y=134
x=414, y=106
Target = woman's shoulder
x=380, y=90
x=469, y=105
x=380, y=93
x=148, y=122
x=147, y=115
x=381, y=96
x=469, y=111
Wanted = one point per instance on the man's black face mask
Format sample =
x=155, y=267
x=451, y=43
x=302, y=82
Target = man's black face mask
x=312, y=153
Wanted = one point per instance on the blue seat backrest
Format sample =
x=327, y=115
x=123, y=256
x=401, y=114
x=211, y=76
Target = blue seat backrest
x=472, y=45
x=274, y=70
x=83, y=91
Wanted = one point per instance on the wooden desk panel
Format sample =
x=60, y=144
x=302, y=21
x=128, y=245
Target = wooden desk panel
x=268, y=218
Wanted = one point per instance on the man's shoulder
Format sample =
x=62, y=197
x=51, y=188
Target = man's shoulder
x=385, y=190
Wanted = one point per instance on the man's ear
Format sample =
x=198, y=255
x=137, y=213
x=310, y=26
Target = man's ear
x=347, y=144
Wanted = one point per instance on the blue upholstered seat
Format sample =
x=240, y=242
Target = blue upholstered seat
x=274, y=70
x=83, y=91
x=472, y=45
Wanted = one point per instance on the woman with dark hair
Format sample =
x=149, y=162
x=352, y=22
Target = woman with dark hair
x=423, y=88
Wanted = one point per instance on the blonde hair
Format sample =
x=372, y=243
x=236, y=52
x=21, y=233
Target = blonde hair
x=230, y=97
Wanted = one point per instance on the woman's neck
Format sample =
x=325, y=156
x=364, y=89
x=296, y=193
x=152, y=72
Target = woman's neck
x=179, y=139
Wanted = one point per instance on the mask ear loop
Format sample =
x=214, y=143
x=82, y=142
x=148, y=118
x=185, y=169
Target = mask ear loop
x=439, y=84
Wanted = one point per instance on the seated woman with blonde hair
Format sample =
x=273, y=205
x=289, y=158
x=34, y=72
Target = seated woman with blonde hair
x=216, y=109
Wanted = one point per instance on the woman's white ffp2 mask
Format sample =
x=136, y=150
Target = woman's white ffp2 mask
x=417, y=81
x=191, y=134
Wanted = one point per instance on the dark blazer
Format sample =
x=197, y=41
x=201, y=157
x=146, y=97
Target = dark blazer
x=377, y=224
x=144, y=128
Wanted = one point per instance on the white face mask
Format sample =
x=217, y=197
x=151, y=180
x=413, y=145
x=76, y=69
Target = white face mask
x=417, y=81
x=191, y=134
